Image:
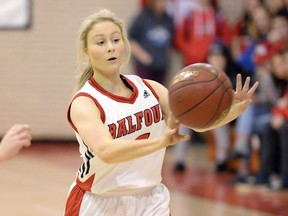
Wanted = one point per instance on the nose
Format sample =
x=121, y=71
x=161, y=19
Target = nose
x=110, y=47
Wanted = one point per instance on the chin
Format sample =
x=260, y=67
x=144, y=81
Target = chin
x=112, y=71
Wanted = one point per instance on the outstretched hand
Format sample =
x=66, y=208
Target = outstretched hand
x=243, y=94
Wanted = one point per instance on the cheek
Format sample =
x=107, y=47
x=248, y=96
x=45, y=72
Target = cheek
x=94, y=54
x=121, y=50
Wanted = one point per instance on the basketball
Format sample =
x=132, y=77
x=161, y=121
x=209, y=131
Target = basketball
x=199, y=95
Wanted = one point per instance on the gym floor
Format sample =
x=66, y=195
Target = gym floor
x=36, y=182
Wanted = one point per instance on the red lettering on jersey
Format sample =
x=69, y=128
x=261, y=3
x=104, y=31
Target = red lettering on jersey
x=130, y=124
x=112, y=130
x=122, y=130
x=143, y=136
x=131, y=127
x=148, y=117
x=139, y=119
x=156, y=113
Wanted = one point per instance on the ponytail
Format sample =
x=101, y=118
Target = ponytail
x=83, y=78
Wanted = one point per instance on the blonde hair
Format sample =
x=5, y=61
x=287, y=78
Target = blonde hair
x=86, y=26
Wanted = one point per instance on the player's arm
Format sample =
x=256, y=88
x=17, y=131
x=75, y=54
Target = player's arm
x=86, y=117
x=242, y=99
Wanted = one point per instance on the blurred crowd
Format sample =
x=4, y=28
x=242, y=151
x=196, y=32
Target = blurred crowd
x=254, y=45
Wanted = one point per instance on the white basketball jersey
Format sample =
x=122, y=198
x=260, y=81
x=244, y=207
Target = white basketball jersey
x=137, y=117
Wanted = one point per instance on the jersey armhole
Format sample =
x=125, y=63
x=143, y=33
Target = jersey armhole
x=151, y=88
x=102, y=113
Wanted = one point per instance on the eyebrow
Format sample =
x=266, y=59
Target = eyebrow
x=100, y=35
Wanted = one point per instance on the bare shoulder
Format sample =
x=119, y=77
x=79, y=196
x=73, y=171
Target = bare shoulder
x=159, y=88
x=82, y=102
x=83, y=106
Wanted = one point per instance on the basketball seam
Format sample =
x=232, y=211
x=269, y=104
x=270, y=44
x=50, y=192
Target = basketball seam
x=201, y=100
x=182, y=86
x=209, y=121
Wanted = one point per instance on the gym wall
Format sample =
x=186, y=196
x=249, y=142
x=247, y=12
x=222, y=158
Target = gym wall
x=38, y=64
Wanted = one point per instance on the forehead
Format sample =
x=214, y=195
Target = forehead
x=105, y=28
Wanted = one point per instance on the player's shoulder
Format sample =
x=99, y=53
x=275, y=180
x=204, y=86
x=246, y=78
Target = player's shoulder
x=82, y=100
x=155, y=85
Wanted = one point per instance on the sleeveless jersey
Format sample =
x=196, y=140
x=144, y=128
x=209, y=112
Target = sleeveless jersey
x=137, y=117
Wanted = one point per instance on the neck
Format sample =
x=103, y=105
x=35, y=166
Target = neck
x=113, y=84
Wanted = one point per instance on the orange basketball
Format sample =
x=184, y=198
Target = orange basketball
x=199, y=95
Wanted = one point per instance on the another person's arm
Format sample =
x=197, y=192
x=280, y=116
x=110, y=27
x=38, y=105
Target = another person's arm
x=136, y=32
x=17, y=137
x=140, y=53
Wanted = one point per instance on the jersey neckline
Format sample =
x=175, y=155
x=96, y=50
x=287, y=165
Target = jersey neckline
x=118, y=98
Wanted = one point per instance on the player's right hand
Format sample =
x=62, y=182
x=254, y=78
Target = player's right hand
x=172, y=137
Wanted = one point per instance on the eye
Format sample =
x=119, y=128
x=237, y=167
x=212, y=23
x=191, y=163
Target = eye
x=115, y=40
x=100, y=43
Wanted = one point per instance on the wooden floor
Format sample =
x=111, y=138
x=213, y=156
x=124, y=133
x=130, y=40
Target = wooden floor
x=36, y=182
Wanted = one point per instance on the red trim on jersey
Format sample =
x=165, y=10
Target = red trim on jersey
x=152, y=90
x=86, y=186
x=121, y=99
x=102, y=113
x=74, y=201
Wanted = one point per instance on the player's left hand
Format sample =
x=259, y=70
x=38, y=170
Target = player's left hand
x=243, y=94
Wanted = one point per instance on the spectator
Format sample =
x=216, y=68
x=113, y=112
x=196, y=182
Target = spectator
x=196, y=33
x=277, y=7
x=259, y=112
x=274, y=149
x=258, y=31
x=241, y=38
x=151, y=38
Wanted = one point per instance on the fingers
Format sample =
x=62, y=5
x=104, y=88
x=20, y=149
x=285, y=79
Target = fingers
x=19, y=128
x=24, y=136
x=25, y=142
x=253, y=89
x=245, y=88
x=246, y=84
x=239, y=83
x=178, y=137
x=21, y=134
x=22, y=128
x=184, y=137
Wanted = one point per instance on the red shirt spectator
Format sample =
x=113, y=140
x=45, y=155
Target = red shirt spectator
x=198, y=31
x=195, y=35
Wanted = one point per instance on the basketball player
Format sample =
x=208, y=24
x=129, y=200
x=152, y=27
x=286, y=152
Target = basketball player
x=123, y=125
x=17, y=137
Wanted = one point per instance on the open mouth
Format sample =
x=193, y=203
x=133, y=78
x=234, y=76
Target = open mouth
x=112, y=59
